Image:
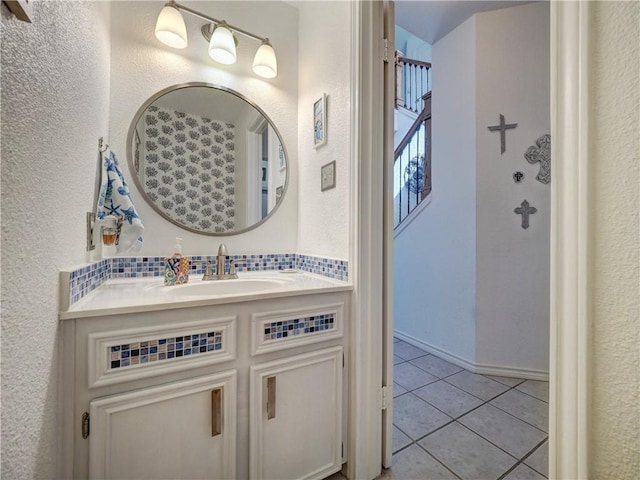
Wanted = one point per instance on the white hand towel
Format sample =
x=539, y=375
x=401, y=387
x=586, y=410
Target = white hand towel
x=114, y=199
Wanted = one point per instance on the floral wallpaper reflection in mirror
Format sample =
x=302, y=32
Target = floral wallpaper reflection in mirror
x=189, y=168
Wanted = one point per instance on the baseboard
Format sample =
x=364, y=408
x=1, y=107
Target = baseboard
x=472, y=366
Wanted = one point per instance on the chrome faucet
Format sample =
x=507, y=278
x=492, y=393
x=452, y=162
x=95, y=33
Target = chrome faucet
x=222, y=256
x=220, y=273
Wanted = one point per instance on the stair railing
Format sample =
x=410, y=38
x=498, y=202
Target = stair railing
x=412, y=165
x=413, y=80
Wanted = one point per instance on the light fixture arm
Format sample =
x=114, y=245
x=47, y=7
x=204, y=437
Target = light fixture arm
x=214, y=20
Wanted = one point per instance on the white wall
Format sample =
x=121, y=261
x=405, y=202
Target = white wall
x=412, y=46
x=324, y=61
x=141, y=66
x=498, y=293
x=512, y=309
x=614, y=277
x=55, y=105
x=435, y=255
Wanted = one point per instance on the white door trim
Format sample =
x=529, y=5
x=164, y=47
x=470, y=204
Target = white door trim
x=366, y=252
x=569, y=303
x=569, y=261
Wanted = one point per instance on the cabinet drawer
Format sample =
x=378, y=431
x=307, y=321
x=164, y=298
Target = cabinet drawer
x=130, y=354
x=278, y=330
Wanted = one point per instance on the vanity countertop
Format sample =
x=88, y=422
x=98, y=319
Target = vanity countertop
x=133, y=295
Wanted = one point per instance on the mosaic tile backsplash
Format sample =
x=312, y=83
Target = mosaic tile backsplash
x=86, y=279
x=328, y=267
x=298, y=326
x=130, y=354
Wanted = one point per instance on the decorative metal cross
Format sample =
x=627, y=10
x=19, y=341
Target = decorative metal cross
x=542, y=154
x=525, y=210
x=502, y=128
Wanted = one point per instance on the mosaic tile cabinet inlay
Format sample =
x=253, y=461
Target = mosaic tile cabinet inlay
x=130, y=354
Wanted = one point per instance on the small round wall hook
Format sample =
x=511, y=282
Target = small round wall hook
x=101, y=145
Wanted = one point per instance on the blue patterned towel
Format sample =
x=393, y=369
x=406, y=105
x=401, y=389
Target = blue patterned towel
x=114, y=199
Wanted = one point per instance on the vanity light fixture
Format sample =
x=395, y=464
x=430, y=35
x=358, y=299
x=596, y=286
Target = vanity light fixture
x=222, y=45
x=171, y=30
x=170, y=27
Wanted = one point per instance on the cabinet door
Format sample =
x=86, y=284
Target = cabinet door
x=296, y=416
x=184, y=429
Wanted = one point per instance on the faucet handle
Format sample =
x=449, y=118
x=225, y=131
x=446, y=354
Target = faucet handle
x=208, y=269
x=232, y=266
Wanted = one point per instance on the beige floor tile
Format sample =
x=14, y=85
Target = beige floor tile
x=436, y=366
x=539, y=460
x=535, y=388
x=522, y=472
x=411, y=377
x=477, y=385
x=400, y=440
x=503, y=430
x=510, y=381
x=407, y=351
x=451, y=400
x=413, y=463
x=466, y=454
x=525, y=407
x=415, y=417
x=398, y=390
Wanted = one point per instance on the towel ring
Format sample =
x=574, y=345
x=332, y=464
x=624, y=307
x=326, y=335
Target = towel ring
x=102, y=146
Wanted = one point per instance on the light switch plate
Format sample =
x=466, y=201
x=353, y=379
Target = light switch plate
x=328, y=176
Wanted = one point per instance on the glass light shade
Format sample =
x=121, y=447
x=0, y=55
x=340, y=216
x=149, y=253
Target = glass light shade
x=264, y=63
x=170, y=28
x=222, y=47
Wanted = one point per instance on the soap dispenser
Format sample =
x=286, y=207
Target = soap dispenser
x=176, y=267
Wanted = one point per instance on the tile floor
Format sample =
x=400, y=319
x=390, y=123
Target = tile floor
x=453, y=424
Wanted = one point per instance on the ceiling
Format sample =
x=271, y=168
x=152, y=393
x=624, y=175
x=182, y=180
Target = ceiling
x=432, y=20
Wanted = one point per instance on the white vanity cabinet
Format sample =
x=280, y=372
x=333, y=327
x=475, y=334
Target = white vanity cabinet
x=184, y=429
x=297, y=432
x=259, y=394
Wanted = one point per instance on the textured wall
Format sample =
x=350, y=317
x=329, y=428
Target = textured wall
x=323, y=217
x=614, y=449
x=512, y=310
x=141, y=66
x=55, y=91
x=435, y=255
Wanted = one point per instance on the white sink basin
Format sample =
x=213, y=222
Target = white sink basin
x=226, y=287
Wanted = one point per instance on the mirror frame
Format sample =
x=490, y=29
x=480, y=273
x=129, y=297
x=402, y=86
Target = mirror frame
x=140, y=187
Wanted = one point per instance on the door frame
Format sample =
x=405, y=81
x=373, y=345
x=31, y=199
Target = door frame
x=568, y=435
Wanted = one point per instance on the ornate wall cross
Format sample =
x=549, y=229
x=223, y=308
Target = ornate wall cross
x=525, y=210
x=542, y=154
x=502, y=128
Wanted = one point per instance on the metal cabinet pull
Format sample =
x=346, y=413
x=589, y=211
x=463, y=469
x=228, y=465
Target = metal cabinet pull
x=271, y=397
x=216, y=412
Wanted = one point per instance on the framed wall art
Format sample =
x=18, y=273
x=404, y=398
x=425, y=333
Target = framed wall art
x=320, y=121
x=23, y=9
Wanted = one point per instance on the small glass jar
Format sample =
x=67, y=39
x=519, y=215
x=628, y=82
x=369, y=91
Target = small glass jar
x=109, y=230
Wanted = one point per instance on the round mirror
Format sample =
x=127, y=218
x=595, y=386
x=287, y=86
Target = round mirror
x=207, y=159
